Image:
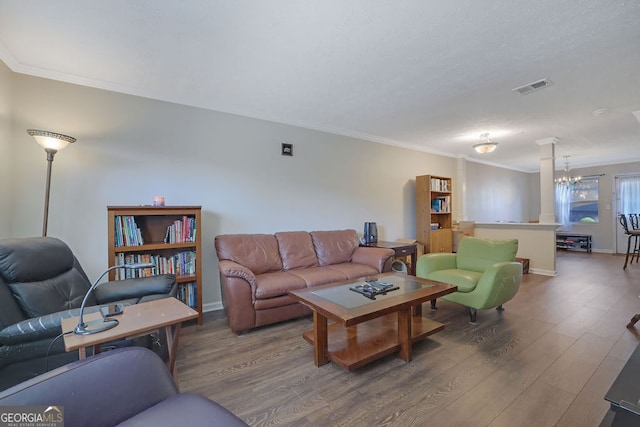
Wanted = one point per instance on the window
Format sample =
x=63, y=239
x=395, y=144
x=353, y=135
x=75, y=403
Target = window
x=584, y=201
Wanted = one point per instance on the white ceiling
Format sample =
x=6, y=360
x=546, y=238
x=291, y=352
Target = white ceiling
x=426, y=74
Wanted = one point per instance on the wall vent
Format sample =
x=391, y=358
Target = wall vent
x=528, y=88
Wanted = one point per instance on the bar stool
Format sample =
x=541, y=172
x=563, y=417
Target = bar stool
x=632, y=233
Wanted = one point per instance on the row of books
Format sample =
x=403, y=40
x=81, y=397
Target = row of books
x=441, y=204
x=438, y=184
x=181, y=231
x=127, y=232
x=180, y=264
x=187, y=293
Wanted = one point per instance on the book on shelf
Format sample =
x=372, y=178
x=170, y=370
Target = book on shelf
x=441, y=204
x=127, y=232
x=181, y=264
x=440, y=185
x=187, y=293
x=181, y=231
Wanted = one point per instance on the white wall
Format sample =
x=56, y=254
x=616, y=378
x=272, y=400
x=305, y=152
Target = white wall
x=496, y=194
x=130, y=149
x=5, y=149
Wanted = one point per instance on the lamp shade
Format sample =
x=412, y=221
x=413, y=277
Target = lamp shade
x=50, y=140
x=485, y=147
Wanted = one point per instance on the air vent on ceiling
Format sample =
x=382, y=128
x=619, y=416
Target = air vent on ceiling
x=523, y=90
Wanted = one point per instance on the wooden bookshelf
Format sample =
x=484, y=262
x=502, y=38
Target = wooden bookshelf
x=433, y=213
x=153, y=223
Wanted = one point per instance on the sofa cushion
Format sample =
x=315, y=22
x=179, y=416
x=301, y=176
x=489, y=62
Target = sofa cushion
x=478, y=254
x=296, y=250
x=315, y=276
x=63, y=292
x=334, y=247
x=354, y=271
x=277, y=283
x=466, y=280
x=275, y=302
x=258, y=252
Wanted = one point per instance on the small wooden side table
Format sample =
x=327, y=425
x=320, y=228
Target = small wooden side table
x=402, y=250
x=136, y=320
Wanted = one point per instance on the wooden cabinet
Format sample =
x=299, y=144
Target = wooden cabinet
x=441, y=240
x=433, y=213
x=167, y=236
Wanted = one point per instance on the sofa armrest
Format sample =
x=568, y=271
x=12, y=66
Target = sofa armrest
x=38, y=328
x=238, y=287
x=377, y=258
x=102, y=390
x=233, y=269
x=186, y=409
x=498, y=283
x=429, y=263
x=164, y=284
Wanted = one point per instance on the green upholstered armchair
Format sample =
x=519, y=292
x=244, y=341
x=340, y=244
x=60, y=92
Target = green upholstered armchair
x=484, y=271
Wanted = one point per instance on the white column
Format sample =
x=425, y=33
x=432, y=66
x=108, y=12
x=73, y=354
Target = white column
x=547, y=189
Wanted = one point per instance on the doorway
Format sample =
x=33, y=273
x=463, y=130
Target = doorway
x=627, y=193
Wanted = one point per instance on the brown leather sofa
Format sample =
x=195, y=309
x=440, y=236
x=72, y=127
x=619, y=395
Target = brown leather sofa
x=258, y=270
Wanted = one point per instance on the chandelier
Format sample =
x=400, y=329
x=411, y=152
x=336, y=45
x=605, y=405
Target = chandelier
x=566, y=177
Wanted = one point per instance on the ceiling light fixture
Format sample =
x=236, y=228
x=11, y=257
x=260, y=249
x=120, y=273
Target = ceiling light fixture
x=566, y=177
x=487, y=146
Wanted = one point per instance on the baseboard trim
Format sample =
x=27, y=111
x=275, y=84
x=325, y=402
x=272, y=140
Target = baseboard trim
x=543, y=272
x=212, y=306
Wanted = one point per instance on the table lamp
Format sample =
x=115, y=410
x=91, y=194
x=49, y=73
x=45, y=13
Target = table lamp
x=101, y=325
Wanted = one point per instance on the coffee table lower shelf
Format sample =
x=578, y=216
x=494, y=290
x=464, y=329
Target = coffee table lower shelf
x=355, y=346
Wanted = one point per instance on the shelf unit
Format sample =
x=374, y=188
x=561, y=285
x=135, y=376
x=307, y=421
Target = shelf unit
x=153, y=223
x=433, y=213
x=573, y=242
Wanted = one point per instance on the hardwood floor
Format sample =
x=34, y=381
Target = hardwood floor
x=547, y=360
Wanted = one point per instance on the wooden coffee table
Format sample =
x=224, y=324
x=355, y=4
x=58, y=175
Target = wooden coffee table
x=368, y=329
x=136, y=320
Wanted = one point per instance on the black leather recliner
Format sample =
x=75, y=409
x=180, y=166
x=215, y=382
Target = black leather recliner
x=41, y=283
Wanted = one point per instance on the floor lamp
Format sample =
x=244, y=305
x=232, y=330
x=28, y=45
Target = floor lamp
x=52, y=143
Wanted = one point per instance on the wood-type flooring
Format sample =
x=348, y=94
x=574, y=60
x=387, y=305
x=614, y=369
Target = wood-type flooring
x=547, y=360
